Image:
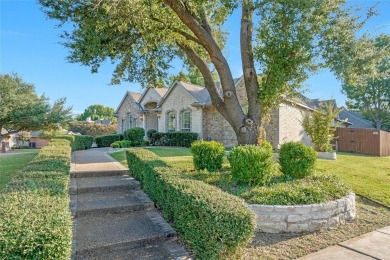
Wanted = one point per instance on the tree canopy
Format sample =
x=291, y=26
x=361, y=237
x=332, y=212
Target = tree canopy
x=97, y=112
x=21, y=109
x=372, y=97
x=282, y=40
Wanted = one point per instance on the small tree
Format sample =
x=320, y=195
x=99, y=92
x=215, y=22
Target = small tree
x=21, y=109
x=23, y=137
x=320, y=126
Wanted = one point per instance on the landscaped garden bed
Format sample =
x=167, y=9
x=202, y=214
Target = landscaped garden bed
x=351, y=168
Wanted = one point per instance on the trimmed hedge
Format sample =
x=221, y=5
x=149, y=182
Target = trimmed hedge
x=207, y=155
x=182, y=139
x=251, y=164
x=296, y=160
x=121, y=144
x=216, y=225
x=78, y=142
x=106, y=140
x=35, y=221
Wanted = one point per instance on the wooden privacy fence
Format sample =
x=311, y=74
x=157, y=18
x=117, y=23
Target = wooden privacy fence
x=363, y=141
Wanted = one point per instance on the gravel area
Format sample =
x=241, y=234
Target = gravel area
x=370, y=216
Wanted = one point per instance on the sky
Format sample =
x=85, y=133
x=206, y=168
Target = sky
x=29, y=46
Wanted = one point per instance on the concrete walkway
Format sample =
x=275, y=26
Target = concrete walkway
x=373, y=245
x=113, y=218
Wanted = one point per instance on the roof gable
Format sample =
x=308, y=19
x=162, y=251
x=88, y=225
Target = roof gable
x=134, y=95
x=160, y=91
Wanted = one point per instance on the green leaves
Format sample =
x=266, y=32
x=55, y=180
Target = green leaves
x=371, y=95
x=22, y=109
x=214, y=224
x=320, y=126
x=35, y=221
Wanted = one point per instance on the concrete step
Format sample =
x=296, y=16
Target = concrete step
x=154, y=251
x=109, y=233
x=103, y=184
x=91, y=174
x=113, y=202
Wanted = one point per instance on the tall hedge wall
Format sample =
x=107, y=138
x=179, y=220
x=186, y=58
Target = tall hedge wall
x=216, y=225
x=35, y=222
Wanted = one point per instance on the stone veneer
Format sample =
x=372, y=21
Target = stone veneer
x=300, y=218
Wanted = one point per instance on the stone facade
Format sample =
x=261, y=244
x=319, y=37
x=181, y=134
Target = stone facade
x=215, y=127
x=153, y=108
x=178, y=100
x=300, y=218
x=128, y=107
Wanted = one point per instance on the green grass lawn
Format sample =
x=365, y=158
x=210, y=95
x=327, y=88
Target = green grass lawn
x=11, y=164
x=366, y=175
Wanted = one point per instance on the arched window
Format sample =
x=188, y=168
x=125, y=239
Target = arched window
x=185, y=117
x=171, y=121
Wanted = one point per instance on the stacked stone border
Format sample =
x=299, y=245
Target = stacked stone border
x=300, y=218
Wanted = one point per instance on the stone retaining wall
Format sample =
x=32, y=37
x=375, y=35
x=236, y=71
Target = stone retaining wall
x=299, y=218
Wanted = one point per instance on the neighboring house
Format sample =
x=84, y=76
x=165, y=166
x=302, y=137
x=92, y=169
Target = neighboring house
x=35, y=141
x=355, y=118
x=188, y=107
x=102, y=121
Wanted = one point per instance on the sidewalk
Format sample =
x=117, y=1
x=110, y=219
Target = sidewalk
x=112, y=217
x=373, y=245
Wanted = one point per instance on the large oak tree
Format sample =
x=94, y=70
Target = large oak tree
x=283, y=40
x=21, y=109
x=372, y=98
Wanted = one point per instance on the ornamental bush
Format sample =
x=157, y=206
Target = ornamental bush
x=251, y=164
x=106, y=140
x=215, y=224
x=207, y=155
x=135, y=135
x=296, y=160
x=122, y=144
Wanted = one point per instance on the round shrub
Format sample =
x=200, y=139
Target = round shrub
x=297, y=160
x=251, y=164
x=207, y=155
x=135, y=135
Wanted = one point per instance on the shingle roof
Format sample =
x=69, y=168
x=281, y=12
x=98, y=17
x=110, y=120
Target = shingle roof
x=135, y=95
x=355, y=119
x=161, y=91
x=199, y=93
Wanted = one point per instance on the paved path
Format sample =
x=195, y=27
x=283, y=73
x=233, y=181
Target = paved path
x=373, y=245
x=113, y=218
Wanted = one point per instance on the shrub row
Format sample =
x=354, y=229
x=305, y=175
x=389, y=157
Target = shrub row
x=107, y=140
x=35, y=221
x=183, y=139
x=215, y=225
x=78, y=142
